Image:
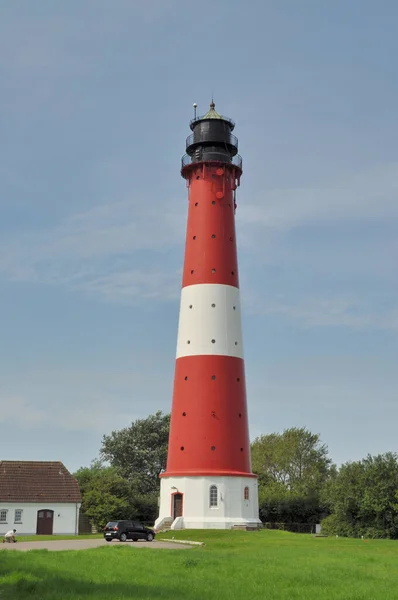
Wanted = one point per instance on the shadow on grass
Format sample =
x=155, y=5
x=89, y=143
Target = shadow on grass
x=41, y=583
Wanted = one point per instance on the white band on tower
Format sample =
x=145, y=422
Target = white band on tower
x=210, y=321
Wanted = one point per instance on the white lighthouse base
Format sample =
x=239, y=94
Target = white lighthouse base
x=207, y=502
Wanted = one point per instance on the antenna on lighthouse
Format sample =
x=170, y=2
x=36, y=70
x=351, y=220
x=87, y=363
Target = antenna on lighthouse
x=195, y=106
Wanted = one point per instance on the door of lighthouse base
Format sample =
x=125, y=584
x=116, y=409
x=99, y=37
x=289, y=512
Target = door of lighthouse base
x=177, y=505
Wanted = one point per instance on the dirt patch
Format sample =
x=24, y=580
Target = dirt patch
x=85, y=544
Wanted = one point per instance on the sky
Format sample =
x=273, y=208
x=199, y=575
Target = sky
x=95, y=102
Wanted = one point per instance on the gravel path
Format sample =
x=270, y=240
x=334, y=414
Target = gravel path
x=84, y=544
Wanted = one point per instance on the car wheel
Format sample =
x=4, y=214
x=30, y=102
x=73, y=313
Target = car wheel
x=108, y=539
x=149, y=537
x=123, y=537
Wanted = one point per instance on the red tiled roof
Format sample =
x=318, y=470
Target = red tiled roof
x=31, y=481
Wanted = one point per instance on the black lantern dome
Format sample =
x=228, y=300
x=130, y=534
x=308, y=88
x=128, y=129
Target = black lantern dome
x=212, y=140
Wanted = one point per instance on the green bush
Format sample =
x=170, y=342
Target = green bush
x=372, y=533
x=333, y=525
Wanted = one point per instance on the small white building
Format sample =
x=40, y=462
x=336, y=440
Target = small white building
x=40, y=498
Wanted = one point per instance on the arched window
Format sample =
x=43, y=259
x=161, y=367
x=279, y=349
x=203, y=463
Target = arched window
x=213, y=496
x=246, y=493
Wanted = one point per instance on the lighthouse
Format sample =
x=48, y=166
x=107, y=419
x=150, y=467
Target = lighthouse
x=208, y=482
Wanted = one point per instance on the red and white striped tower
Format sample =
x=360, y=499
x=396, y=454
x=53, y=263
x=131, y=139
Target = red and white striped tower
x=208, y=481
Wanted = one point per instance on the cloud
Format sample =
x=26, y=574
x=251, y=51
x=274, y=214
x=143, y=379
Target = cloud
x=92, y=413
x=103, y=231
x=116, y=251
x=131, y=251
x=322, y=257
x=370, y=195
x=28, y=414
x=125, y=287
x=40, y=39
x=89, y=400
x=354, y=312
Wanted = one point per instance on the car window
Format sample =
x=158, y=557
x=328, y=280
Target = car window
x=111, y=524
x=138, y=525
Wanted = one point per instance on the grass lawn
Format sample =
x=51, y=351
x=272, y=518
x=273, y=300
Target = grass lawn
x=234, y=565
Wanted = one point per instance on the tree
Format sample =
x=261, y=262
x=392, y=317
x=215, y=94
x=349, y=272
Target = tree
x=106, y=496
x=296, y=459
x=364, y=499
x=139, y=452
x=292, y=468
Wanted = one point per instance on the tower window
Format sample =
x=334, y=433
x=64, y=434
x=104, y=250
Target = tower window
x=213, y=496
x=246, y=493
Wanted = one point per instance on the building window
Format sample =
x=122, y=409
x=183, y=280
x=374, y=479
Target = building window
x=3, y=516
x=213, y=496
x=246, y=493
x=18, y=516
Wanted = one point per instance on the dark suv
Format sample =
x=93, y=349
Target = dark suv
x=127, y=530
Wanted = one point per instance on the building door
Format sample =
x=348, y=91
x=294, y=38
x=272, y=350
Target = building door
x=45, y=520
x=177, y=505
